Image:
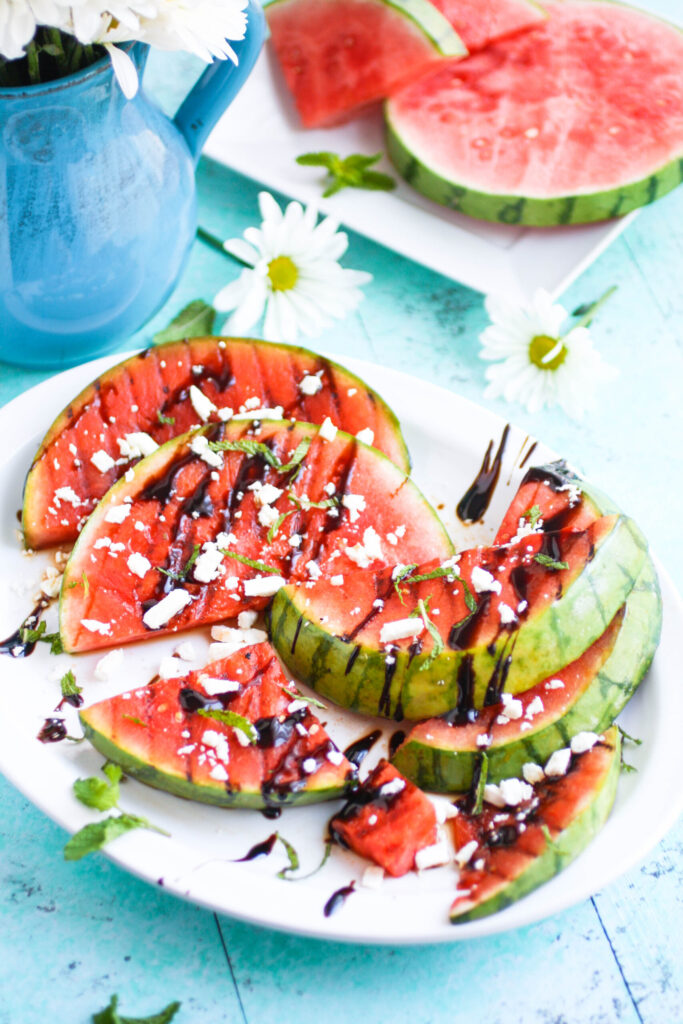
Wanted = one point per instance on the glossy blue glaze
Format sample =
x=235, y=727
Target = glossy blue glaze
x=98, y=205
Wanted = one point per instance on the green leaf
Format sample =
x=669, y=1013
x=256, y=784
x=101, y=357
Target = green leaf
x=306, y=504
x=630, y=739
x=550, y=563
x=135, y=720
x=350, y=172
x=292, y=856
x=260, y=566
x=532, y=515
x=433, y=632
x=165, y=420
x=317, y=159
x=32, y=636
x=111, y=1015
x=478, y=794
x=400, y=576
x=233, y=719
x=95, y=792
x=195, y=320
x=69, y=686
x=181, y=575
x=253, y=448
x=284, y=874
x=298, y=695
x=96, y=835
x=272, y=532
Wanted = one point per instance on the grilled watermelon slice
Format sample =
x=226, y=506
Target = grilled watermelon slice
x=510, y=853
x=149, y=393
x=158, y=736
x=579, y=119
x=541, y=619
x=559, y=497
x=387, y=819
x=586, y=696
x=136, y=550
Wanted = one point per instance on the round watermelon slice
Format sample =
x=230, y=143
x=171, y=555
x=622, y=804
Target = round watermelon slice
x=580, y=119
x=196, y=534
x=507, y=852
x=267, y=750
x=456, y=636
x=585, y=696
x=338, y=56
x=89, y=446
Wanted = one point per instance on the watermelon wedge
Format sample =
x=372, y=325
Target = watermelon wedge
x=157, y=734
x=579, y=119
x=338, y=56
x=500, y=620
x=388, y=820
x=506, y=853
x=86, y=449
x=586, y=696
x=152, y=557
x=481, y=22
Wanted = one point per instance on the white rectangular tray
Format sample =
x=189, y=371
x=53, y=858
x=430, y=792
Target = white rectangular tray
x=259, y=136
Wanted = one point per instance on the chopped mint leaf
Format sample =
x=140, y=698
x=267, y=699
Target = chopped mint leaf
x=96, y=835
x=292, y=856
x=433, y=632
x=83, y=582
x=165, y=420
x=298, y=695
x=253, y=448
x=233, y=719
x=285, y=873
x=348, y=172
x=550, y=563
x=305, y=504
x=400, y=576
x=32, y=636
x=70, y=687
x=272, y=532
x=479, y=781
x=195, y=320
x=135, y=720
x=532, y=515
x=95, y=792
x=181, y=575
x=470, y=599
x=261, y=566
x=111, y=1015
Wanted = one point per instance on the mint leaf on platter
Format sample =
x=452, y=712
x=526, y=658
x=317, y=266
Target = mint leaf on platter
x=111, y=1015
x=195, y=320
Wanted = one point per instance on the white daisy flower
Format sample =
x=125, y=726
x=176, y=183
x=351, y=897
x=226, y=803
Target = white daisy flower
x=293, y=273
x=537, y=365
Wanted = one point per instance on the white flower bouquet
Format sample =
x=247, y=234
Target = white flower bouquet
x=44, y=40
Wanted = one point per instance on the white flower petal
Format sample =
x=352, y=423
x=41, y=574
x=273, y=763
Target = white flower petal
x=242, y=250
x=124, y=69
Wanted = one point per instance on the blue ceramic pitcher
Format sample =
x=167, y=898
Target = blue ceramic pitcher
x=97, y=204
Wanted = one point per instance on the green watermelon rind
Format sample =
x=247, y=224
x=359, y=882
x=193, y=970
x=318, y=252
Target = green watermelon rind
x=566, y=846
x=87, y=393
x=442, y=769
x=353, y=675
x=528, y=211
x=216, y=795
x=433, y=25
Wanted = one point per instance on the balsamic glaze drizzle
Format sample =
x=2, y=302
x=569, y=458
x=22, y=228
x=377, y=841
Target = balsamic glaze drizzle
x=395, y=742
x=338, y=899
x=259, y=849
x=474, y=503
x=14, y=645
x=356, y=752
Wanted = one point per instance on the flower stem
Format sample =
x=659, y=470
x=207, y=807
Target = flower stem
x=55, y=37
x=215, y=243
x=588, y=314
x=33, y=62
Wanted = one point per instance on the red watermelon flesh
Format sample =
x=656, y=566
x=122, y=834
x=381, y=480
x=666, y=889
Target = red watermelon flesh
x=386, y=822
x=176, y=501
x=481, y=22
x=556, y=494
x=148, y=391
x=376, y=603
x=555, y=700
x=338, y=56
x=156, y=734
x=509, y=840
x=586, y=101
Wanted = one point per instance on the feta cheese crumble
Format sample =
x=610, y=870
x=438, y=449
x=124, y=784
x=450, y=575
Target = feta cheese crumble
x=484, y=583
x=163, y=611
x=558, y=763
x=327, y=431
x=263, y=586
x=102, y=460
x=202, y=405
x=138, y=564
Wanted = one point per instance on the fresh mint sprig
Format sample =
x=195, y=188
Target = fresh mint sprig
x=181, y=575
x=550, y=563
x=348, y=172
x=233, y=719
x=251, y=562
x=111, y=1015
x=196, y=319
x=253, y=448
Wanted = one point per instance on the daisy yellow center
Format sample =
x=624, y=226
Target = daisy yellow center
x=283, y=274
x=542, y=346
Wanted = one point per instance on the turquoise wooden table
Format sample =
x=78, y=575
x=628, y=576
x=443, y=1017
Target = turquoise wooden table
x=73, y=934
